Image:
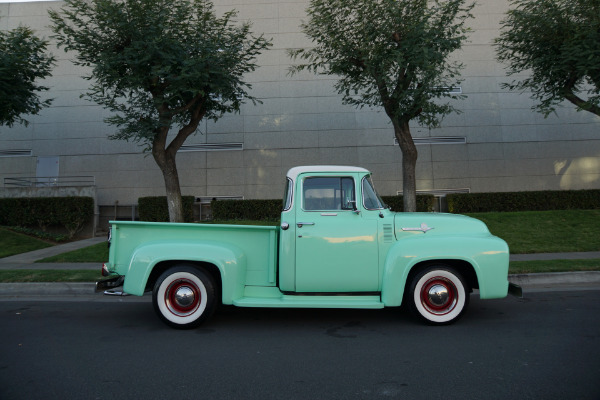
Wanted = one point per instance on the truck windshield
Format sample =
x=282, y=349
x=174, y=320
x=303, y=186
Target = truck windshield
x=371, y=200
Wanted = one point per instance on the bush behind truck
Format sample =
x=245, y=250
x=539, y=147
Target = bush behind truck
x=337, y=246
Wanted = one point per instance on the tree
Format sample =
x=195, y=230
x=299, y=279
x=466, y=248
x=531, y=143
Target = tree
x=557, y=44
x=161, y=66
x=23, y=60
x=391, y=54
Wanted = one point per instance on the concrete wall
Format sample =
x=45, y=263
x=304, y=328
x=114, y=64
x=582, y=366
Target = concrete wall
x=508, y=147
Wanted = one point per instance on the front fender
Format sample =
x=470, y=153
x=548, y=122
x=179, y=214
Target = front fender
x=487, y=254
x=229, y=259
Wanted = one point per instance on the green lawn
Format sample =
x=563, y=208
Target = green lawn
x=12, y=243
x=34, y=275
x=546, y=231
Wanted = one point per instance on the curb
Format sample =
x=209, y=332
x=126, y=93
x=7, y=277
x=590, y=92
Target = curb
x=556, y=279
x=65, y=289
x=50, y=289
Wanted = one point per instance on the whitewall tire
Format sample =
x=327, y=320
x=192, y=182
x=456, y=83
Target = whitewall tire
x=184, y=296
x=438, y=294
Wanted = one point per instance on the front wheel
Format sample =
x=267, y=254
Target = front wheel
x=184, y=297
x=438, y=295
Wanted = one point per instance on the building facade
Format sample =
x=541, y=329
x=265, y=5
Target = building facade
x=496, y=144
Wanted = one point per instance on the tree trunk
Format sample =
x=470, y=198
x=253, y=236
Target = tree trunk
x=409, y=165
x=165, y=155
x=166, y=162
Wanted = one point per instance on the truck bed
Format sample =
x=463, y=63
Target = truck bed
x=257, y=243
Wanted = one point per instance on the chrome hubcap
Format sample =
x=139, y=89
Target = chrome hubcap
x=438, y=295
x=184, y=296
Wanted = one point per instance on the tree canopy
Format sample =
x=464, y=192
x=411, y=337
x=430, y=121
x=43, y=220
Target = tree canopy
x=161, y=67
x=390, y=54
x=23, y=61
x=555, y=46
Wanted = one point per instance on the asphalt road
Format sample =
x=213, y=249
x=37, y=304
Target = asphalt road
x=546, y=346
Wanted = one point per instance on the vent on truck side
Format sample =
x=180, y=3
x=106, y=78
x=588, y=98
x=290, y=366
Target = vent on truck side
x=388, y=234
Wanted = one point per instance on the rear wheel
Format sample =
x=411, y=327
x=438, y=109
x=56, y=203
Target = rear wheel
x=438, y=294
x=184, y=297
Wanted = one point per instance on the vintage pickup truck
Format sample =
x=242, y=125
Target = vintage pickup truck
x=338, y=246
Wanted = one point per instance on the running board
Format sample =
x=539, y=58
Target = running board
x=291, y=301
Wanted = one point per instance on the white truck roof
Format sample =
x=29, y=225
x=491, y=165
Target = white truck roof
x=294, y=172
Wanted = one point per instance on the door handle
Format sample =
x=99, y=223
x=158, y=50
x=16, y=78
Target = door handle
x=300, y=224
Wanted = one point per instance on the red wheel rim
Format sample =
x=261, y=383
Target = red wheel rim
x=183, y=297
x=439, y=295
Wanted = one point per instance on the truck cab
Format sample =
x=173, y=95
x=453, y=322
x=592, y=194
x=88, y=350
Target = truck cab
x=332, y=228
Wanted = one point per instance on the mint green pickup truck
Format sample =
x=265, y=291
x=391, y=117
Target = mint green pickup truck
x=338, y=246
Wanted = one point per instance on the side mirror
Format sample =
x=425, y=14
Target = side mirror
x=354, y=208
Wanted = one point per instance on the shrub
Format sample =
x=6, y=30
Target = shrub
x=258, y=210
x=70, y=213
x=524, y=201
x=424, y=202
x=156, y=209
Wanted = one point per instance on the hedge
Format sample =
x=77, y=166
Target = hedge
x=270, y=210
x=424, y=202
x=524, y=201
x=70, y=213
x=156, y=209
x=257, y=210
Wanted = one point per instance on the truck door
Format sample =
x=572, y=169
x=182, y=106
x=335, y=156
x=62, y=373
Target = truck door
x=336, y=249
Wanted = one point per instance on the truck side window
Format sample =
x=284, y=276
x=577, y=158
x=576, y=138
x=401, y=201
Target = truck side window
x=328, y=194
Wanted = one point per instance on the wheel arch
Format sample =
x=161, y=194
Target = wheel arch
x=162, y=266
x=463, y=267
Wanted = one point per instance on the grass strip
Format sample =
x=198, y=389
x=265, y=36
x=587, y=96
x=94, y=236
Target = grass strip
x=48, y=275
x=530, y=267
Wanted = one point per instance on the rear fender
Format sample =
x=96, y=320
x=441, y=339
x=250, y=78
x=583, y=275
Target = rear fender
x=229, y=259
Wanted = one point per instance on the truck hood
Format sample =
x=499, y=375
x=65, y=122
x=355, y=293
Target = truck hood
x=409, y=224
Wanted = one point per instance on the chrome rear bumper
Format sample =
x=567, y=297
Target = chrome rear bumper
x=109, y=283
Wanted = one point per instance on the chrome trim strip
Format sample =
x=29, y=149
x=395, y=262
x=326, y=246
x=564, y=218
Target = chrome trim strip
x=423, y=228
